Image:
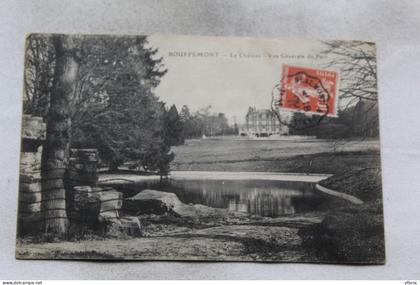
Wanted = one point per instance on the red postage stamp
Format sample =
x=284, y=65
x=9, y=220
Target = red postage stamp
x=309, y=90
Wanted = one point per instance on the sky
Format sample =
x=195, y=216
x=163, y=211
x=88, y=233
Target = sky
x=231, y=74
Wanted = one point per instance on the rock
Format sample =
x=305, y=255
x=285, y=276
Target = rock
x=33, y=128
x=160, y=203
x=84, y=208
x=120, y=227
x=30, y=178
x=84, y=190
x=29, y=207
x=83, y=199
x=151, y=202
x=109, y=216
x=83, y=167
x=29, y=197
x=30, y=187
x=131, y=226
x=110, y=199
x=95, y=204
x=30, y=162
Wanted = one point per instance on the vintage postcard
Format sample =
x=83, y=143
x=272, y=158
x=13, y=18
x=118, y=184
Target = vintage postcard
x=169, y=147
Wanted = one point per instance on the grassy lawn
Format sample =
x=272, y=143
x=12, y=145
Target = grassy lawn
x=311, y=156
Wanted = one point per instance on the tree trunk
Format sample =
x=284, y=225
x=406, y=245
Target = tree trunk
x=56, y=147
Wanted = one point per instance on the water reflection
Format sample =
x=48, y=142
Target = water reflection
x=260, y=197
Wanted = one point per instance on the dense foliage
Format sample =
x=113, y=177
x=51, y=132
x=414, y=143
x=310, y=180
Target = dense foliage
x=113, y=107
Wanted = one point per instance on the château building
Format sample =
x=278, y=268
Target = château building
x=262, y=123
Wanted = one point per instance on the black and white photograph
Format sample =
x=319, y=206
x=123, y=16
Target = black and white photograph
x=170, y=147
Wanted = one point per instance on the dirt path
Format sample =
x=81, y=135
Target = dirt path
x=217, y=243
x=236, y=239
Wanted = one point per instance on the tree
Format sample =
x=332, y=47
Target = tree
x=185, y=114
x=174, y=127
x=358, y=83
x=235, y=129
x=38, y=77
x=222, y=126
x=192, y=123
x=113, y=94
x=94, y=91
x=205, y=122
x=158, y=154
x=56, y=146
x=115, y=108
x=188, y=122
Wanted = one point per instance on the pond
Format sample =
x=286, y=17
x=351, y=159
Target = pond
x=264, y=197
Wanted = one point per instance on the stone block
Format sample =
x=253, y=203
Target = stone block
x=83, y=207
x=29, y=187
x=30, y=162
x=25, y=207
x=131, y=226
x=110, y=199
x=110, y=216
x=29, y=217
x=33, y=128
x=95, y=204
x=84, y=191
x=29, y=178
x=30, y=197
x=83, y=167
x=80, y=198
x=121, y=227
x=151, y=202
x=84, y=155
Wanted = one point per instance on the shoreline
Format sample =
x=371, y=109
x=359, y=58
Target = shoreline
x=338, y=194
x=110, y=178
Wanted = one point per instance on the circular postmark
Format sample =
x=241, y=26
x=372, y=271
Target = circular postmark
x=306, y=93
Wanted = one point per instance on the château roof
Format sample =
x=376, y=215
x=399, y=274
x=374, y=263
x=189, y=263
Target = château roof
x=253, y=110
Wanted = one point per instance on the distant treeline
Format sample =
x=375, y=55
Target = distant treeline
x=183, y=125
x=358, y=121
x=205, y=122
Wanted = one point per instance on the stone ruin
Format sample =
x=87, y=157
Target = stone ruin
x=88, y=205
x=33, y=135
